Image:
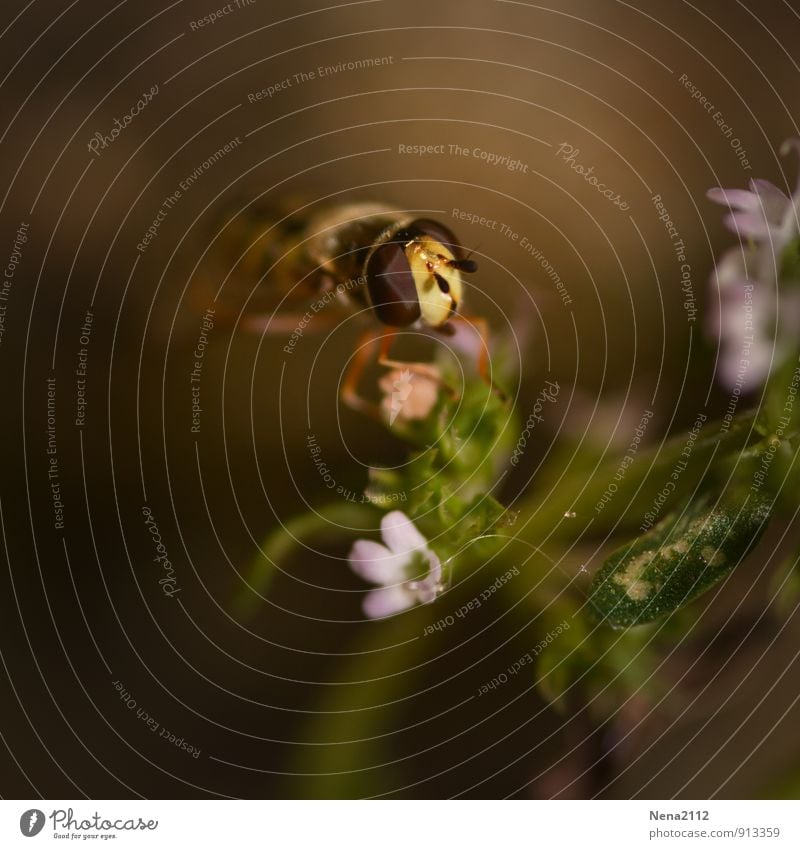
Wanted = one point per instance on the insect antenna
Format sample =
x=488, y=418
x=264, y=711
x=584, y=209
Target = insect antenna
x=467, y=265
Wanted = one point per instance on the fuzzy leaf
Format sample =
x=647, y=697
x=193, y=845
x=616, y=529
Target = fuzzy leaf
x=679, y=559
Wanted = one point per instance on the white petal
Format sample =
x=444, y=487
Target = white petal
x=788, y=145
x=773, y=201
x=387, y=601
x=744, y=361
x=736, y=199
x=400, y=533
x=749, y=225
x=466, y=339
x=746, y=376
x=435, y=569
x=731, y=271
x=428, y=589
x=376, y=564
x=728, y=280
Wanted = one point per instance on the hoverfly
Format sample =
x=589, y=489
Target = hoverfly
x=404, y=270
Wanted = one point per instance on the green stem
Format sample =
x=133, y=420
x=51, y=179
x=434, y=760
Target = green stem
x=337, y=520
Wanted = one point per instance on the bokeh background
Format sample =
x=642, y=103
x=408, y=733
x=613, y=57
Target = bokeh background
x=299, y=695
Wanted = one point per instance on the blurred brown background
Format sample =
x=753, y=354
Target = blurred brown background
x=82, y=607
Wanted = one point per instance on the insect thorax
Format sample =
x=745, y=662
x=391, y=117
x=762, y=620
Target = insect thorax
x=304, y=252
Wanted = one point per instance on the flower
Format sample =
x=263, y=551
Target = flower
x=409, y=395
x=754, y=333
x=744, y=324
x=392, y=567
x=764, y=213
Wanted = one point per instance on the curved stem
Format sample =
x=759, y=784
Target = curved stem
x=338, y=519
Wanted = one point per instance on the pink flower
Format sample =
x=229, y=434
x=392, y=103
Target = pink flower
x=744, y=324
x=409, y=395
x=764, y=213
x=396, y=567
x=755, y=332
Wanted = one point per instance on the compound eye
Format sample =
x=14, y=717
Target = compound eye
x=391, y=286
x=439, y=233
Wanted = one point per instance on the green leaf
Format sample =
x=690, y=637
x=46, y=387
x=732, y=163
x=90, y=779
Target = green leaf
x=679, y=559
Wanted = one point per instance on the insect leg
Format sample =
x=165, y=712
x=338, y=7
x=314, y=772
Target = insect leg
x=480, y=326
x=349, y=389
x=423, y=369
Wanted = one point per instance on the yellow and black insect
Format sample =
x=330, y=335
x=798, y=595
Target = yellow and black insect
x=404, y=270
